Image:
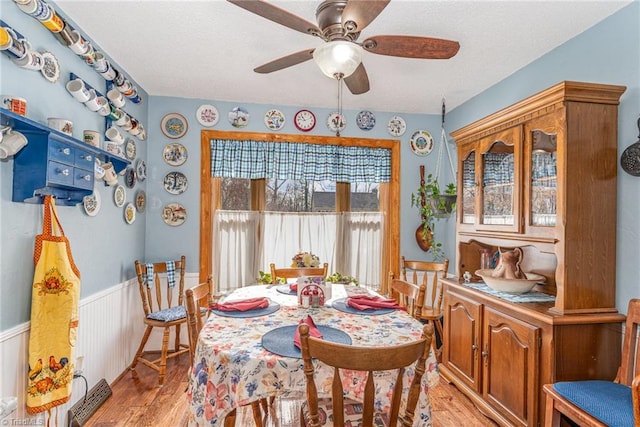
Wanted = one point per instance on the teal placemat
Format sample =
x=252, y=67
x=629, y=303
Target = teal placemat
x=531, y=296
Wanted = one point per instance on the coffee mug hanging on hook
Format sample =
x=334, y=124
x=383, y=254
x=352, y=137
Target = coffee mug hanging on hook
x=630, y=159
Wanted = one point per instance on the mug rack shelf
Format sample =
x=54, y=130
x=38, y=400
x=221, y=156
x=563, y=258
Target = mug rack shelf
x=53, y=163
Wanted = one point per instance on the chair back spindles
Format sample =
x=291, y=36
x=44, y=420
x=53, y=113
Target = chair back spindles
x=293, y=272
x=365, y=359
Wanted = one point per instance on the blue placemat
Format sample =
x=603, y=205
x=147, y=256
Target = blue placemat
x=341, y=304
x=280, y=340
x=531, y=296
x=273, y=307
x=285, y=289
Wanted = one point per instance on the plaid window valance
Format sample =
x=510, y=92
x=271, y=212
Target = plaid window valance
x=288, y=160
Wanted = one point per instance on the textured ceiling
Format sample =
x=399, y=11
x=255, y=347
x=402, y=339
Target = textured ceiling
x=208, y=49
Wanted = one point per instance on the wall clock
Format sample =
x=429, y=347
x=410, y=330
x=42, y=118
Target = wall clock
x=304, y=120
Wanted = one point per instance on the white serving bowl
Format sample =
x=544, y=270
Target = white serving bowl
x=511, y=286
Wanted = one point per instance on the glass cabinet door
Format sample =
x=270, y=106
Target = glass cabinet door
x=543, y=178
x=500, y=193
x=468, y=189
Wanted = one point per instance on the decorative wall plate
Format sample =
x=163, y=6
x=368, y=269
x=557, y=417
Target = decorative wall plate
x=174, y=214
x=175, y=182
x=207, y=115
x=141, y=170
x=92, y=203
x=141, y=201
x=274, y=119
x=119, y=195
x=129, y=213
x=174, y=154
x=366, y=120
x=50, y=68
x=130, y=177
x=130, y=149
x=336, y=122
x=238, y=117
x=174, y=125
x=421, y=142
x=396, y=126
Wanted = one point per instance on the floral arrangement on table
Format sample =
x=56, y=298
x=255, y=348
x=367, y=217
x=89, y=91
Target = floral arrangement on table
x=305, y=259
x=339, y=278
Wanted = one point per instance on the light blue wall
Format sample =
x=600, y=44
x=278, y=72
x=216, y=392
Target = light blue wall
x=606, y=53
x=163, y=239
x=104, y=247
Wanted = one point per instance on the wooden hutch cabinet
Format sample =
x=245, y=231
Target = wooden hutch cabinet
x=539, y=175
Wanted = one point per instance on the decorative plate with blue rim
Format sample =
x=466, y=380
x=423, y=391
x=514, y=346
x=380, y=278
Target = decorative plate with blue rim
x=366, y=120
x=280, y=340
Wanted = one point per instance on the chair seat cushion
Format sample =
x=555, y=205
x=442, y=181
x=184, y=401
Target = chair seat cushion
x=352, y=413
x=169, y=314
x=607, y=401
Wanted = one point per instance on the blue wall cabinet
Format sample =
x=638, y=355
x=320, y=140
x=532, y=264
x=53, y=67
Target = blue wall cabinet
x=53, y=163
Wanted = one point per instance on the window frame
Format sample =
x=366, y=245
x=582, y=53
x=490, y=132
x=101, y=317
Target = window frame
x=210, y=192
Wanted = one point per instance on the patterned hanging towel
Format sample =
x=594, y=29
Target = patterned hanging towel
x=54, y=316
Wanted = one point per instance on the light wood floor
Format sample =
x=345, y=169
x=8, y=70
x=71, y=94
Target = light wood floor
x=138, y=401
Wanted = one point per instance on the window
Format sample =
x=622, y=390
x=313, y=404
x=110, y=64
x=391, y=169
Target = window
x=386, y=194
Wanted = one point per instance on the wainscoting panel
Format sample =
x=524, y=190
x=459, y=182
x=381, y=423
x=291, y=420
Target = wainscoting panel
x=109, y=333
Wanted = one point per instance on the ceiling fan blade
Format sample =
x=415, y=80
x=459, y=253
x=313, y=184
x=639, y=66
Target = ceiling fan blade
x=411, y=47
x=358, y=82
x=285, y=61
x=358, y=14
x=279, y=15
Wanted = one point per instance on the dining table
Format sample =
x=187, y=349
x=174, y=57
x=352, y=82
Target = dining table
x=232, y=367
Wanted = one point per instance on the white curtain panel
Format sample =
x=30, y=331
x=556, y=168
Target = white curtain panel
x=247, y=242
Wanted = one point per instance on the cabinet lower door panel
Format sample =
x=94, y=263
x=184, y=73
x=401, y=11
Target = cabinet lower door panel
x=461, y=353
x=510, y=357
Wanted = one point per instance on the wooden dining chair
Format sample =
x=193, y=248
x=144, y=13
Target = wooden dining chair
x=198, y=300
x=602, y=403
x=428, y=273
x=161, y=286
x=294, y=272
x=367, y=359
x=408, y=295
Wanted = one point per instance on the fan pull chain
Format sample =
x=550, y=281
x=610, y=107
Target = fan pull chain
x=339, y=120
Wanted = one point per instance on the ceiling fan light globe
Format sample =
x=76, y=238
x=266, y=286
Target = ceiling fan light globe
x=338, y=58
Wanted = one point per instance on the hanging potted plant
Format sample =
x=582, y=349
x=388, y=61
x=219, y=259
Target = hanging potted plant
x=433, y=203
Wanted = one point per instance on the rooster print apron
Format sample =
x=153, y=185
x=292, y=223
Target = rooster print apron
x=54, y=316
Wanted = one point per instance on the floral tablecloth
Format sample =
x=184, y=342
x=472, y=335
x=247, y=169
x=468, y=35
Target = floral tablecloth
x=232, y=368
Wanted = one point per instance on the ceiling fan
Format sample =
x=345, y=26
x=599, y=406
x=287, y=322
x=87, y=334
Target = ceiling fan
x=343, y=20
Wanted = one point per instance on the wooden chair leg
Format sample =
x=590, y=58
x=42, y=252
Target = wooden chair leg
x=257, y=413
x=230, y=419
x=138, y=355
x=163, y=355
x=551, y=416
x=177, y=344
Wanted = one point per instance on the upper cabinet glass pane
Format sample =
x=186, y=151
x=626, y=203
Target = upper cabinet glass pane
x=498, y=185
x=469, y=188
x=543, y=178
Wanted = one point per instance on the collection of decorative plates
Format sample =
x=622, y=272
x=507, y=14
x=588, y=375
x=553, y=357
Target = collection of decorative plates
x=175, y=126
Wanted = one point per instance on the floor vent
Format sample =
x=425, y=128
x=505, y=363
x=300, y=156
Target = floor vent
x=80, y=413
